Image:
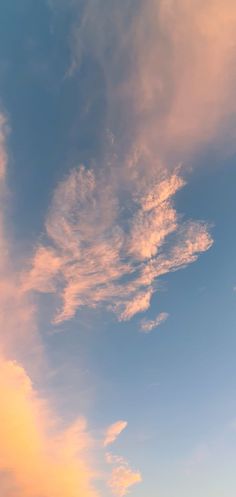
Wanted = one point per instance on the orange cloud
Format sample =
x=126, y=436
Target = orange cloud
x=113, y=432
x=37, y=456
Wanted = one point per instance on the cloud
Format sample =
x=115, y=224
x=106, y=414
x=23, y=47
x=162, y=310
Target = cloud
x=38, y=457
x=148, y=325
x=113, y=432
x=95, y=256
x=122, y=479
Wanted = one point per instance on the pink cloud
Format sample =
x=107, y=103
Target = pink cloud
x=90, y=249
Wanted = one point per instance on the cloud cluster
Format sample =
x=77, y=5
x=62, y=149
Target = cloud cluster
x=148, y=325
x=38, y=457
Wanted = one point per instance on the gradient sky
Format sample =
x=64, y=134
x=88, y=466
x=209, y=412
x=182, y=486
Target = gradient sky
x=117, y=248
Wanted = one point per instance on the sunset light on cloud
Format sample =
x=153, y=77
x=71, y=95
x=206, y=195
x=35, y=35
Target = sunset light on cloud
x=117, y=248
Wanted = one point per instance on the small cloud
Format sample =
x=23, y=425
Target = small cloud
x=122, y=479
x=146, y=326
x=113, y=432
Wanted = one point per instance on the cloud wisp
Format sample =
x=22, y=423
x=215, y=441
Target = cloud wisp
x=38, y=456
x=113, y=432
x=123, y=477
x=147, y=325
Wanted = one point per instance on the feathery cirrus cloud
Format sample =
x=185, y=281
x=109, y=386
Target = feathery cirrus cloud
x=92, y=256
x=39, y=457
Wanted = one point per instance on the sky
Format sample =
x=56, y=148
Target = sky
x=117, y=248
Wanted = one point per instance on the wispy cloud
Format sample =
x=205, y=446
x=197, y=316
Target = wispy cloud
x=122, y=478
x=113, y=432
x=147, y=325
x=92, y=256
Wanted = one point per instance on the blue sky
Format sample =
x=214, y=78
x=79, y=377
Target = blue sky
x=117, y=195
